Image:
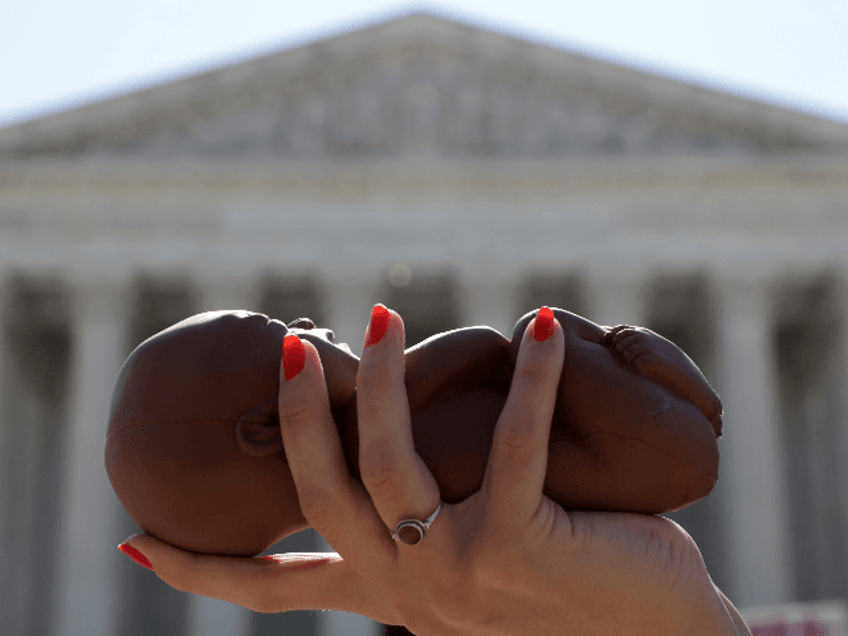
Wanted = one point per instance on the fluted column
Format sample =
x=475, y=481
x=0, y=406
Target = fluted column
x=489, y=299
x=5, y=446
x=216, y=291
x=89, y=518
x=752, y=486
x=348, y=299
x=841, y=437
x=616, y=297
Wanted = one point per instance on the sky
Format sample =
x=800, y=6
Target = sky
x=56, y=55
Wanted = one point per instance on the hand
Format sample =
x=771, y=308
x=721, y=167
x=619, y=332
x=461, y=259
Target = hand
x=507, y=560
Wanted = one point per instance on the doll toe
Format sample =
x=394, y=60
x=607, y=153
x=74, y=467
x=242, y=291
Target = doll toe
x=621, y=343
x=612, y=331
x=635, y=351
x=624, y=334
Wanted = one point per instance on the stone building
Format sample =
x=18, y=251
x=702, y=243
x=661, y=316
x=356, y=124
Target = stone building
x=461, y=177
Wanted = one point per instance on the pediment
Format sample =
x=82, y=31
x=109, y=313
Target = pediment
x=420, y=85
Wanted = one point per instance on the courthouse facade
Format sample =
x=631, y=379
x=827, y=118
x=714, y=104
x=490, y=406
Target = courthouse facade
x=461, y=177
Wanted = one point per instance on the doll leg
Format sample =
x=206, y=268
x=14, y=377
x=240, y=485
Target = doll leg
x=652, y=355
x=625, y=441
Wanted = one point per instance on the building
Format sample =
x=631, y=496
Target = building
x=461, y=177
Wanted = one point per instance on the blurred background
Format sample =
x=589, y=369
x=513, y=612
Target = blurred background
x=679, y=167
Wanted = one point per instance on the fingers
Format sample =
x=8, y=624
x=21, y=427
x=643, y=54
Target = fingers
x=515, y=473
x=289, y=582
x=400, y=484
x=334, y=503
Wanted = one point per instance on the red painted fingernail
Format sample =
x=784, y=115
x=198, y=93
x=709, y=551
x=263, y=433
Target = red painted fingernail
x=135, y=555
x=294, y=356
x=379, y=324
x=544, y=325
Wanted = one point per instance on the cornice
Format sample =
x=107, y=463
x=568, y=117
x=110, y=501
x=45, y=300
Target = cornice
x=362, y=180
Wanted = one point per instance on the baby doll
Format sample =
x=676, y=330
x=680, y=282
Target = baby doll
x=195, y=454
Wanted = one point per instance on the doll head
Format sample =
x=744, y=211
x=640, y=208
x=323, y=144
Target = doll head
x=194, y=450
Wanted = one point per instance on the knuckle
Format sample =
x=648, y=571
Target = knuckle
x=182, y=573
x=320, y=510
x=178, y=580
x=378, y=378
x=517, y=439
x=374, y=381
x=291, y=413
x=380, y=476
x=530, y=374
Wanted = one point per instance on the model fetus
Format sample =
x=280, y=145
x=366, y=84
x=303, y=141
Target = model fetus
x=195, y=454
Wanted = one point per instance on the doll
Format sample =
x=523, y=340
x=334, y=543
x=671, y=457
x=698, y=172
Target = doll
x=195, y=454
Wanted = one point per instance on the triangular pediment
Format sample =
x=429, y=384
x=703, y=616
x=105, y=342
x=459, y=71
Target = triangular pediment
x=417, y=85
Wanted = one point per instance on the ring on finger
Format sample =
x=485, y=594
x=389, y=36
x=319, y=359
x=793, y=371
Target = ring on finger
x=412, y=531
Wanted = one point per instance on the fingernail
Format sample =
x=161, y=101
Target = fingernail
x=135, y=555
x=379, y=324
x=294, y=356
x=543, y=326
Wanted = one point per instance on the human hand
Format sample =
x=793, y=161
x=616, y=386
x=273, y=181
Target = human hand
x=506, y=560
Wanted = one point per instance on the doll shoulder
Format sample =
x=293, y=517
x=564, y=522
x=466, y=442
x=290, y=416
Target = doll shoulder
x=448, y=361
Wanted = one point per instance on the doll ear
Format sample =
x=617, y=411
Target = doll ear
x=258, y=433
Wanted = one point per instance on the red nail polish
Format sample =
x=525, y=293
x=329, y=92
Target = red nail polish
x=544, y=324
x=135, y=555
x=379, y=324
x=294, y=356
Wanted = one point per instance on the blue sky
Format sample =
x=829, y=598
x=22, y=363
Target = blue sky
x=55, y=54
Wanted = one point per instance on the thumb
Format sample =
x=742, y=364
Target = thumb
x=281, y=583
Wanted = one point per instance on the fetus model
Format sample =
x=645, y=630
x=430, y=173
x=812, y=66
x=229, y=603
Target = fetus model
x=195, y=454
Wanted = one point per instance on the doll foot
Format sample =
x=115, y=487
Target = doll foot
x=654, y=356
x=631, y=343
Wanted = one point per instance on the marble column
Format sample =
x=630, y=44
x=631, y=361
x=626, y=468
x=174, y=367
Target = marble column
x=752, y=490
x=85, y=568
x=224, y=290
x=5, y=446
x=841, y=437
x=489, y=299
x=615, y=297
x=348, y=301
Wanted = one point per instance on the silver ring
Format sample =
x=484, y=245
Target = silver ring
x=413, y=529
